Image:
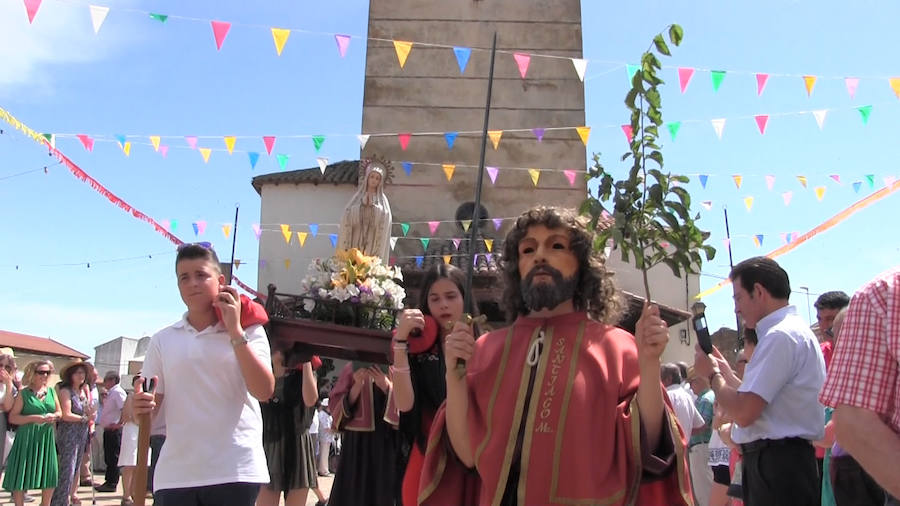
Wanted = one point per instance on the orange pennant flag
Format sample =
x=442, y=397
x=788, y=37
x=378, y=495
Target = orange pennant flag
x=154, y=139
x=495, y=137
x=749, y=203
x=204, y=152
x=447, y=258
x=286, y=231
x=820, y=192
x=810, y=82
x=737, y=180
x=281, y=36
x=403, y=48
x=127, y=148
x=489, y=244
x=237, y=263
x=802, y=180
x=448, y=170
x=287, y=263
x=301, y=236
x=584, y=132
x=226, y=229
x=229, y=143
x=535, y=175
x=895, y=85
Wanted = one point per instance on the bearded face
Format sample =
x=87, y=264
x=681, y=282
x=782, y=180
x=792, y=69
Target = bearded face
x=547, y=267
x=542, y=294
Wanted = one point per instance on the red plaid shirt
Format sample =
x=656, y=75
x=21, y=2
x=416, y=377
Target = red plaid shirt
x=864, y=369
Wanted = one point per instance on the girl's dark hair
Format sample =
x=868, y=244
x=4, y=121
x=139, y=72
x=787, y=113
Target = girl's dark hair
x=435, y=273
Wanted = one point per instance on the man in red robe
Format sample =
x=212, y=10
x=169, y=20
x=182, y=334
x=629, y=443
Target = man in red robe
x=561, y=407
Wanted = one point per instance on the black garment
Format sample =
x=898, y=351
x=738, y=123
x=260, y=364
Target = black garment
x=156, y=444
x=112, y=441
x=225, y=494
x=367, y=474
x=290, y=456
x=780, y=472
x=852, y=485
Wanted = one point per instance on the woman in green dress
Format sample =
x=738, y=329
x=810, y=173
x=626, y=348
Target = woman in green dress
x=32, y=462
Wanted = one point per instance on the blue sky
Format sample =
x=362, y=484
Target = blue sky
x=139, y=77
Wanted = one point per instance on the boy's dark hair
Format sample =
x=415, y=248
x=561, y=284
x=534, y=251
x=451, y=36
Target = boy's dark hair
x=751, y=337
x=683, y=369
x=196, y=250
x=832, y=300
x=766, y=272
x=670, y=374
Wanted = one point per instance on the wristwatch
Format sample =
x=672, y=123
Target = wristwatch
x=240, y=340
x=713, y=375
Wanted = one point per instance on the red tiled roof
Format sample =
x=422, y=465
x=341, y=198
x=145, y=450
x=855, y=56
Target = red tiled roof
x=43, y=345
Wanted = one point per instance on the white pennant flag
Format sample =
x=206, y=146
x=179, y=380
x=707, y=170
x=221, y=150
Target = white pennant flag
x=393, y=242
x=363, y=139
x=98, y=16
x=323, y=162
x=820, y=117
x=707, y=204
x=580, y=67
x=718, y=125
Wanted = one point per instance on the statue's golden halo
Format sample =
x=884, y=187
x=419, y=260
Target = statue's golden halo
x=387, y=167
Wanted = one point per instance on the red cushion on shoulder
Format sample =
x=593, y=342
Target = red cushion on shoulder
x=424, y=341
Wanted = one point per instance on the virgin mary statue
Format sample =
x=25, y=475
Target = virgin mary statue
x=366, y=222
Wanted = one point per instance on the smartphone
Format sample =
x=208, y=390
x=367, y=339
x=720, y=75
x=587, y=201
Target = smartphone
x=702, y=331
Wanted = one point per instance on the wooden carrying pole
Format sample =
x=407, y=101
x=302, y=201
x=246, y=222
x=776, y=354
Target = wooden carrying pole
x=139, y=481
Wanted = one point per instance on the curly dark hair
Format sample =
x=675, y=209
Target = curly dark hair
x=595, y=291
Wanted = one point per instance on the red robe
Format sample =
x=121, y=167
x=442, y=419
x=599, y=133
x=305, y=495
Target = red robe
x=583, y=440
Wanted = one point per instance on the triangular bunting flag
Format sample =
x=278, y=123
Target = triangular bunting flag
x=820, y=192
x=580, y=66
x=895, y=85
x=466, y=224
x=163, y=150
x=535, y=175
x=159, y=17
x=254, y=157
x=286, y=232
x=174, y=224
x=363, y=140
x=871, y=180
x=405, y=228
x=758, y=239
x=495, y=137
x=333, y=238
x=852, y=84
x=786, y=196
x=269, y=141
x=404, y=140
x=802, y=180
x=263, y=262
x=448, y=170
x=629, y=132
x=864, y=113
x=726, y=242
x=204, y=152
x=748, y=201
x=631, y=70
x=584, y=132
x=226, y=229
x=407, y=167
x=257, y=231
x=127, y=148
x=770, y=181
x=674, y=127
x=761, y=80
x=323, y=164
x=196, y=228
x=820, y=117
x=31, y=8
x=761, y=121
x=462, y=57
x=570, y=175
x=220, y=31
x=450, y=137
x=419, y=259
x=492, y=173
x=489, y=244
x=539, y=133
x=447, y=258
x=522, y=61
x=154, y=139
x=738, y=179
x=856, y=185
x=684, y=77
x=836, y=177
x=87, y=142
x=810, y=83
x=229, y=143
x=121, y=139
x=201, y=227
x=98, y=16
x=784, y=238
x=313, y=229
x=237, y=263
x=498, y=222
x=717, y=77
x=433, y=226
x=703, y=179
x=343, y=42
x=282, y=161
x=51, y=139
x=318, y=140
x=424, y=241
x=403, y=48
x=718, y=126
x=707, y=204
x=393, y=242
x=191, y=140
x=456, y=242
x=280, y=36
x=287, y=263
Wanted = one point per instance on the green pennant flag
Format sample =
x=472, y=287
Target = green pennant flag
x=870, y=178
x=282, y=161
x=632, y=70
x=317, y=141
x=673, y=126
x=159, y=17
x=864, y=112
x=405, y=227
x=424, y=242
x=717, y=77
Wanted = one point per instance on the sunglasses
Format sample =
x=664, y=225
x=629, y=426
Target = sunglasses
x=43, y=373
x=205, y=245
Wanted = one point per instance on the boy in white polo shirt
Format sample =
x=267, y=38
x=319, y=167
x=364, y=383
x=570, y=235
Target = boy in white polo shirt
x=211, y=373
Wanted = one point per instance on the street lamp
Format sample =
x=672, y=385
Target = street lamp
x=808, y=310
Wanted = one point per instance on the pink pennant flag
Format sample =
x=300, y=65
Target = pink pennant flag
x=456, y=243
x=256, y=230
x=433, y=226
x=191, y=140
x=498, y=222
x=794, y=236
x=522, y=60
x=570, y=175
x=404, y=140
x=707, y=204
x=726, y=242
x=770, y=181
x=201, y=227
x=761, y=80
x=761, y=121
x=784, y=237
x=269, y=141
x=852, y=84
x=629, y=133
x=343, y=42
x=166, y=224
x=836, y=177
x=164, y=150
x=220, y=30
x=31, y=7
x=86, y=141
x=787, y=197
x=684, y=77
x=492, y=173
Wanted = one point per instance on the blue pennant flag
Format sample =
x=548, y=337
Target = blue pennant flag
x=451, y=138
x=856, y=186
x=254, y=157
x=407, y=166
x=703, y=179
x=333, y=238
x=419, y=259
x=314, y=229
x=121, y=139
x=462, y=57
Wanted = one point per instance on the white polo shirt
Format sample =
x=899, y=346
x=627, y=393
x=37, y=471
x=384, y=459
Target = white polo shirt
x=787, y=371
x=689, y=418
x=213, y=424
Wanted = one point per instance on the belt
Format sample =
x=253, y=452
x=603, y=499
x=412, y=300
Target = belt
x=760, y=444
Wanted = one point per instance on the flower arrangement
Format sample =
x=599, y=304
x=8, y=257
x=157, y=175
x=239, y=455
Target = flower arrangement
x=350, y=278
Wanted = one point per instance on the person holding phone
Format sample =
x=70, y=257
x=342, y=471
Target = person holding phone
x=211, y=373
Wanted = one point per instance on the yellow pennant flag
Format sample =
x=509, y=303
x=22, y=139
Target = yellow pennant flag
x=495, y=137
x=489, y=244
x=448, y=170
x=287, y=263
x=237, y=263
x=738, y=180
x=584, y=132
x=895, y=85
x=756, y=241
x=226, y=229
x=204, y=152
x=447, y=258
x=535, y=175
x=749, y=203
x=403, y=48
x=127, y=148
x=229, y=143
x=820, y=192
x=810, y=82
x=286, y=232
x=302, y=237
x=281, y=36
x=802, y=180
x=466, y=224
x=154, y=139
